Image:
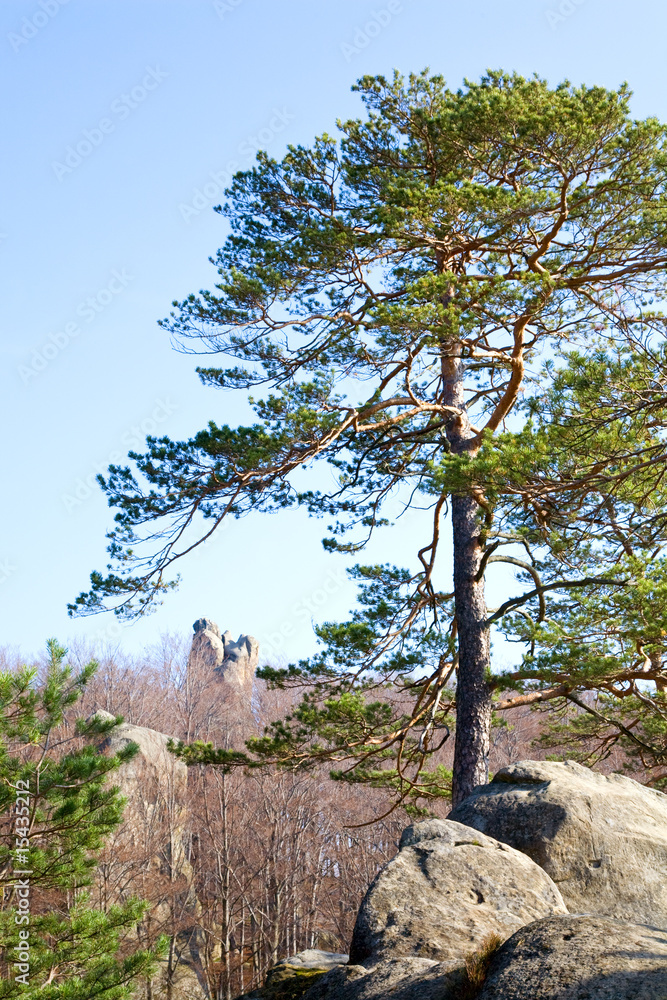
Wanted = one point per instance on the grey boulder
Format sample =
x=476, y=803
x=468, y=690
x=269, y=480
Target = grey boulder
x=601, y=838
x=445, y=892
x=154, y=772
x=580, y=957
x=315, y=958
x=398, y=978
x=240, y=662
x=155, y=784
x=293, y=976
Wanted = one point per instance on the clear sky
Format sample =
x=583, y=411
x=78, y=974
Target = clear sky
x=121, y=122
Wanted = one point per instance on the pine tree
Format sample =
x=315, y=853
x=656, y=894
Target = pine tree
x=596, y=446
x=394, y=291
x=59, y=806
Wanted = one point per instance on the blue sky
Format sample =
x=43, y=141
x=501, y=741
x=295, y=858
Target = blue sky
x=121, y=122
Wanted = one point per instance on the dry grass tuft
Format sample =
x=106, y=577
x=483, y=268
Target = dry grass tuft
x=477, y=966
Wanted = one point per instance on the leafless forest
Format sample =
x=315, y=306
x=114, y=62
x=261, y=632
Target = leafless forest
x=240, y=869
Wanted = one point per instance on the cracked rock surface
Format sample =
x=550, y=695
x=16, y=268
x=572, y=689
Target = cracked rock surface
x=580, y=957
x=601, y=838
x=233, y=662
x=445, y=892
x=397, y=978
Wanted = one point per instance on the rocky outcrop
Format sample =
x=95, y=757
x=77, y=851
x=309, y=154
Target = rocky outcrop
x=207, y=647
x=232, y=662
x=295, y=976
x=152, y=838
x=601, y=838
x=564, y=957
x=152, y=766
x=155, y=785
x=314, y=958
x=459, y=914
x=240, y=662
x=184, y=984
x=445, y=892
x=398, y=978
x=580, y=958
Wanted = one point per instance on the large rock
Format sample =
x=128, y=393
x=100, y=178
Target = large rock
x=232, y=661
x=445, y=892
x=580, y=958
x=152, y=838
x=398, y=978
x=240, y=662
x=155, y=784
x=184, y=985
x=601, y=838
x=152, y=766
x=208, y=647
x=294, y=976
x=314, y=958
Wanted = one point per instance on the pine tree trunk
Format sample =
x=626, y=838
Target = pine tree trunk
x=473, y=695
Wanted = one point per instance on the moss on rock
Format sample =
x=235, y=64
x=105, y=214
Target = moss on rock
x=285, y=982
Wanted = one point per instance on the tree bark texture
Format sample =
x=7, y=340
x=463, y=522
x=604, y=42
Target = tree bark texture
x=473, y=694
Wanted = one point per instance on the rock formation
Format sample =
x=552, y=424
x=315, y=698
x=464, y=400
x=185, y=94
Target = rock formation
x=294, y=975
x=445, y=892
x=152, y=766
x=208, y=647
x=233, y=662
x=315, y=958
x=601, y=838
x=155, y=785
x=395, y=978
x=577, y=957
x=472, y=906
x=432, y=923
